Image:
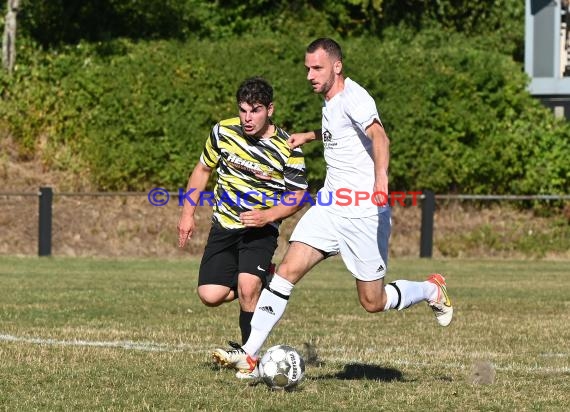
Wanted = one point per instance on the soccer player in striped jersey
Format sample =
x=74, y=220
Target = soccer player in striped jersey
x=356, y=150
x=260, y=181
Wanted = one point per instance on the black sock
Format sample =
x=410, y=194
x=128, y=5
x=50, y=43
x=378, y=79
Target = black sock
x=245, y=325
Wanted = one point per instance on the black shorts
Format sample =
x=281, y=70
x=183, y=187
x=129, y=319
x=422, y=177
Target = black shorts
x=233, y=251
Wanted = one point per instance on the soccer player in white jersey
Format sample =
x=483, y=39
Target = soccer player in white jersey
x=356, y=150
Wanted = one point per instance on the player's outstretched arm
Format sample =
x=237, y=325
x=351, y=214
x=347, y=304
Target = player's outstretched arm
x=298, y=139
x=196, y=185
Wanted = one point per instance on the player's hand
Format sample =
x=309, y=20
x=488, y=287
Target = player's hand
x=381, y=187
x=254, y=218
x=186, y=227
x=298, y=139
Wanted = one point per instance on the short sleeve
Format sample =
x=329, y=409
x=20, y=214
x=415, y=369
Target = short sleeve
x=360, y=106
x=211, y=153
x=294, y=171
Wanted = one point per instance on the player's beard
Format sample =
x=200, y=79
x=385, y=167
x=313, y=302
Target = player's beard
x=326, y=86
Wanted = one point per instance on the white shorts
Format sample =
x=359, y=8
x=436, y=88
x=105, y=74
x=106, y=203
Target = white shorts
x=361, y=242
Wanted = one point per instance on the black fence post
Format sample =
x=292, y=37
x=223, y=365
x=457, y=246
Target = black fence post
x=426, y=235
x=44, y=243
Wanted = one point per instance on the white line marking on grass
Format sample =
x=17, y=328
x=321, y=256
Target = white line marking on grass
x=554, y=355
x=164, y=347
x=129, y=345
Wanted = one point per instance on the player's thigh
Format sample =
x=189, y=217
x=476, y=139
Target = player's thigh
x=313, y=239
x=299, y=259
x=255, y=253
x=364, y=245
x=219, y=264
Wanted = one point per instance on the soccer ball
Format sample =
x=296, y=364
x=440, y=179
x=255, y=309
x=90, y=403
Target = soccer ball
x=281, y=367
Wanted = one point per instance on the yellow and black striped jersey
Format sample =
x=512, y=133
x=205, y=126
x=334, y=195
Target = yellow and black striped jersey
x=253, y=173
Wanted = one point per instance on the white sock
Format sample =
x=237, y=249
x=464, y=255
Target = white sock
x=392, y=296
x=410, y=293
x=269, y=309
x=281, y=285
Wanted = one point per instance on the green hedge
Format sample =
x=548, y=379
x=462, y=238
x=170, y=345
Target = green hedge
x=132, y=115
x=461, y=119
x=137, y=114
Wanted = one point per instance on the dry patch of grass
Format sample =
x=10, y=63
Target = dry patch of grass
x=116, y=226
x=131, y=226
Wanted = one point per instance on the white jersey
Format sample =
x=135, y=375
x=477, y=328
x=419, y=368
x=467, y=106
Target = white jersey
x=348, y=152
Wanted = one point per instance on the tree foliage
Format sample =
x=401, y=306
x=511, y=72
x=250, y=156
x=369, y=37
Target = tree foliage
x=57, y=22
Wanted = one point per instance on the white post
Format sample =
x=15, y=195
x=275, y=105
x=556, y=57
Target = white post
x=9, y=39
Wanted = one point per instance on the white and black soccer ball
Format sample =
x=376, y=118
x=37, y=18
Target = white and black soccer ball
x=282, y=367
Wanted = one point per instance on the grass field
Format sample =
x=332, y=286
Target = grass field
x=86, y=334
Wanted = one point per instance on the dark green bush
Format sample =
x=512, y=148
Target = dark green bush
x=460, y=117
x=136, y=114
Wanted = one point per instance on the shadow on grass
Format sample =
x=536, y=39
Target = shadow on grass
x=351, y=371
x=214, y=367
x=361, y=371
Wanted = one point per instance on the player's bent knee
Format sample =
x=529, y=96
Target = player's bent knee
x=371, y=296
x=210, y=301
x=372, y=306
x=290, y=273
x=249, y=295
x=213, y=297
x=249, y=289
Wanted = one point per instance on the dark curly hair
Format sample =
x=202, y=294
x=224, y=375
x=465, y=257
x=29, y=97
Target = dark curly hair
x=255, y=90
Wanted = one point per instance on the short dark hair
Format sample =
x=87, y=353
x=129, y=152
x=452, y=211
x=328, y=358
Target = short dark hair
x=331, y=47
x=255, y=90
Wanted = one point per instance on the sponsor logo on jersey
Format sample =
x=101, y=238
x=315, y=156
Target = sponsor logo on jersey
x=247, y=165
